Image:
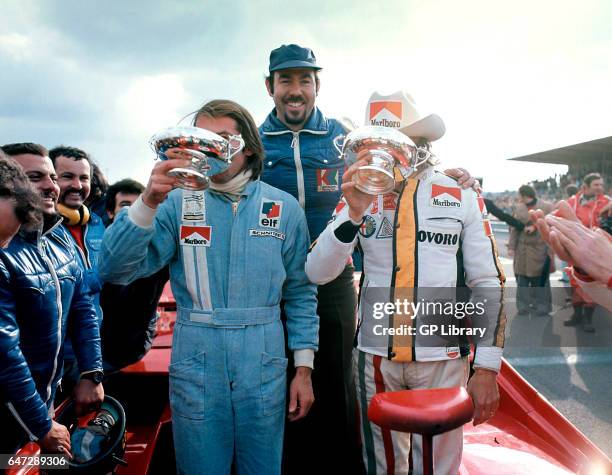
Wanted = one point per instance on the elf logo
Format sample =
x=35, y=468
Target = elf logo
x=270, y=213
x=445, y=196
x=386, y=114
x=443, y=239
x=196, y=236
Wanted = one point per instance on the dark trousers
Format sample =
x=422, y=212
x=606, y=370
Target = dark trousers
x=12, y=436
x=330, y=431
x=533, y=293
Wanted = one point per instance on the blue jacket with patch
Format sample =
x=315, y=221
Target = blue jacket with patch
x=43, y=296
x=305, y=164
x=230, y=263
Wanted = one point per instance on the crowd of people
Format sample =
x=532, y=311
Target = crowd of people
x=533, y=252
x=90, y=261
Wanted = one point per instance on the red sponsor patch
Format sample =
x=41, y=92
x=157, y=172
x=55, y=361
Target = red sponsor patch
x=452, y=351
x=389, y=203
x=437, y=190
x=392, y=106
x=196, y=235
x=327, y=179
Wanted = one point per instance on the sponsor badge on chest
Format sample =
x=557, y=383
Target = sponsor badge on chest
x=196, y=236
x=327, y=180
x=270, y=213
x=193, y=206
x=445, y=196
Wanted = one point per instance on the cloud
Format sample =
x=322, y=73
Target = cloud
x=507, y=79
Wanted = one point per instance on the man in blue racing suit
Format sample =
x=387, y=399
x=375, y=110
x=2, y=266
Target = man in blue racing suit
x=233, y=250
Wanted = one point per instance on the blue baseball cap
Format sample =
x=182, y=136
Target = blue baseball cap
x=292, y=56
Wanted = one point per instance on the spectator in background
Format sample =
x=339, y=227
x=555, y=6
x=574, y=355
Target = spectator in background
x=74, y=170
x=532, y=262
x=19, y=203
x=33, y=322
x=130, y=311
x=588, y=205
x=96, y=201
x=121, y=194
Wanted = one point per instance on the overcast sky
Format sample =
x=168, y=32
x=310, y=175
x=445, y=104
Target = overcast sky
x=508, y=78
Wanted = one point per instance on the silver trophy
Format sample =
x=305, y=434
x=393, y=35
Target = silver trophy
x=388, y=148
x=210, y=153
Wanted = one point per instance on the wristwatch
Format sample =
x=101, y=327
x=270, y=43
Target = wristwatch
x=95, y=376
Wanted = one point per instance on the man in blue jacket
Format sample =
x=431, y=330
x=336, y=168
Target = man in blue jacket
x=233, y=250
x=41, y=277
x=74, y=171
x=301, y=159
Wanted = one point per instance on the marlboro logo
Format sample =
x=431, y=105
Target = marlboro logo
x=196, y=235
x=445, y=196
x=386, y=114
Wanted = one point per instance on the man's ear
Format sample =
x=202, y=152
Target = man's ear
x=110, y=214
x=269, y=85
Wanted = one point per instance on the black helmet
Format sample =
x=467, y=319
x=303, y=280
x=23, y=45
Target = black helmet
x=98, y=440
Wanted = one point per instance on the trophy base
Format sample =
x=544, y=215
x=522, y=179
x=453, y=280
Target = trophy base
x=373, y=181
x=190, y=179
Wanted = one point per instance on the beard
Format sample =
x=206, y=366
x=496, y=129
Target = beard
x=295, y=120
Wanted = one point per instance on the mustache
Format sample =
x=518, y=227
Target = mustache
x=295, y=99
x=49, y=194
x=73, y=190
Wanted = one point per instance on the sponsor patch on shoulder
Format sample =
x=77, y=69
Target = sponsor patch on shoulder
x=193, y=206
x=266, y=233
x=445, y=196
x=270, y=213
x=196, y=235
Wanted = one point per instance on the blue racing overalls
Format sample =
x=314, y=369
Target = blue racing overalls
x=230, y=263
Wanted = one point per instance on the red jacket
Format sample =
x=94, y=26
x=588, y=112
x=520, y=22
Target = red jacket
x=588, y=211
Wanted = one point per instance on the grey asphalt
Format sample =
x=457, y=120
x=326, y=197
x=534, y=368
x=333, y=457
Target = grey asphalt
x=569, y=367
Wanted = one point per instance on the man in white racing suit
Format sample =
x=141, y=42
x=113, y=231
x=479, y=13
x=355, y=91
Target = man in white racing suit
x=426, y=234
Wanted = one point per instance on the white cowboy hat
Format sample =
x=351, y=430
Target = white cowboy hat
x=399, y=110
